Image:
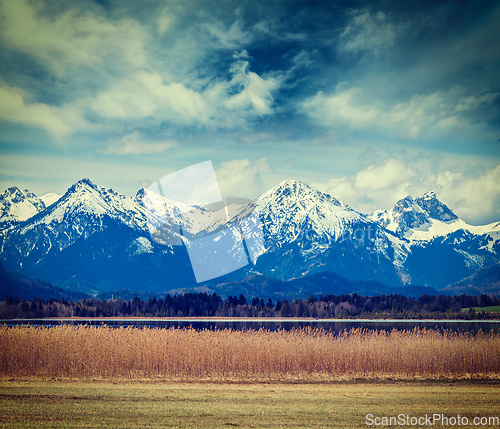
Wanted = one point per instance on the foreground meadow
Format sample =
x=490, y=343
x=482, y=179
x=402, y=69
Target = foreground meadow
x=78, y=404
x=83, y=376
x=105, y=353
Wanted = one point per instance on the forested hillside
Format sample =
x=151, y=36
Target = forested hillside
x=210, y=305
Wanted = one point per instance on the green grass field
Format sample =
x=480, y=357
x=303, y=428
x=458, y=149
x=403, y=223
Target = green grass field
x=490, y=309
x=77, y=404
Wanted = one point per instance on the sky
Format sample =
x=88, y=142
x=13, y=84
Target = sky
x=369, y=101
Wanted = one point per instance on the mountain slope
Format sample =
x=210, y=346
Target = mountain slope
x=16, y=284
x=322, y=283
x=94, y=236
x=484, y=281
x=307, y=231
x=18, y=206
x=425, y=218
x=293, y=208
x=94, y=239
x=84, y=210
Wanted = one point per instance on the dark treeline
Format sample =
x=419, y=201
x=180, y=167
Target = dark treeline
x=209, y=305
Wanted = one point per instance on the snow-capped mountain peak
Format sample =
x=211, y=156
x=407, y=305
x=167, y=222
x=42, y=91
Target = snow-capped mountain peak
x=408, y=214
x=294, y=190
x=17, y=205
x=430, y=195
x=293, y=208
x=435, y=208
x=423, y=219
x=94, y=202
x=305, y=231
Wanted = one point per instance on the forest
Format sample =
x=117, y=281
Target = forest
x=213, y=305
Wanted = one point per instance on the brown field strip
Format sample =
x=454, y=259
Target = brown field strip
x=85, y=352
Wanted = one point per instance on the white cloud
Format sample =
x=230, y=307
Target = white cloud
x=387, y=175
x=474, y=198
x=147, y=99
x=164, y=21
x=344, y=108
x=14, y=108
x=136, y=143
x=239, y=100
x=255, y=93
x=242, y=54
x=304, y=58
x=372, y=188
x=240, y=178
x=230, y=38
x=146, y=95
x=361, y=109
x=367, y=32
x=474, y=101
x=71, y=38
x=113, y=71
x=417, y=90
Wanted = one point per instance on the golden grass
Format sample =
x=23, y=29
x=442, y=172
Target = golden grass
x=84, y=352
x=128, y=404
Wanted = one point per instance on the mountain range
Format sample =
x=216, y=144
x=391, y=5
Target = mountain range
x=93, y=240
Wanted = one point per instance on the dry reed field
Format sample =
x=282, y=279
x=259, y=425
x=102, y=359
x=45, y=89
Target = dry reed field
x=86, y=352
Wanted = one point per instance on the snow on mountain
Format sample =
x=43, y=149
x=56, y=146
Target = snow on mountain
x=305, y=231
x=173, y=222
x=425, y=218
x=405, y=216
x=82, y=211
x=436, y=228
x=141, y=246
x=85, y=199
x=50, y=198
x=435, y=208
x=86, y=209
x=293, y=208
x=17, y=205
x=293, y=212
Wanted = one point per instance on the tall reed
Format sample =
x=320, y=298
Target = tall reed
x=188, y=354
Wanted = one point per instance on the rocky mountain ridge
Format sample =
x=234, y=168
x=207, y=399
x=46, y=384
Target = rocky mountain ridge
x=95, y=239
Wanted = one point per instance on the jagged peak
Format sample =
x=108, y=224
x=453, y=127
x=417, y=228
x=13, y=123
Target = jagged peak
x=85, y=182
x=405, y=204
x=408, y=200
x=429, y=195
x=295, y=188
x=15, y=195
x=86, y=192
x=15, y=191
x=286, y=188
x=140, y=194
x=294, y=184
x=18, y=205
x=413, y=213
x=407, y=214
x=85, y=185
x=435, y=208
